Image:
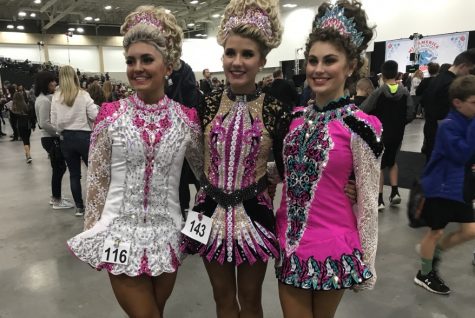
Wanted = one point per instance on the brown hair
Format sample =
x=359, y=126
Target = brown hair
x=19, y=104
x=462, y=87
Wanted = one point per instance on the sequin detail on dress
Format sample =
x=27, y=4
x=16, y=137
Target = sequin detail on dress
x=135, y=164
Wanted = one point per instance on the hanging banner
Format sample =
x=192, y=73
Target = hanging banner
x=437, y=48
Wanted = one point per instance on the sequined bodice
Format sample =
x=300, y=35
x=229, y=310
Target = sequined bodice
x=148, y=144
x=237, y=143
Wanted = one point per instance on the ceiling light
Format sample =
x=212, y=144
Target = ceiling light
x=37, y=1
x=33, y=15
x=20, y=27
x=289, y=5
x=108, y=7
x=216, y=15
x=194, y=2
x=190, y=24
x=97, y=19
x=10, y=26
x=71, y=29
x=80, y=30
x=88, y=18
x=21, y=14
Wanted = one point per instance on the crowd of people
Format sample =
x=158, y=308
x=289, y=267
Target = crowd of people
x=144, y=149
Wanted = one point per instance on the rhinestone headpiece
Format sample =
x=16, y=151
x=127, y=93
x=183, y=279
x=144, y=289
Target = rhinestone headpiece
x=254, y=16
x=145, y=18
x=336, y=19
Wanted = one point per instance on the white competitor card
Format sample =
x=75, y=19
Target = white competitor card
x=115, y=252
x=197, y=227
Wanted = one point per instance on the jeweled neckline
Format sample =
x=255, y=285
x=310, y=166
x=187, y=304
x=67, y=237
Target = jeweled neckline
x=334, y=104
x=243, y=97
x=140, y=104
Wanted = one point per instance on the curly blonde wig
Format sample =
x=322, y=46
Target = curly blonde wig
x=255, y=19
x=154, y=25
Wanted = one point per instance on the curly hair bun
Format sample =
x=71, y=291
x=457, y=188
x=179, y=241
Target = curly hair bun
x=156, y=26
x=255, y=19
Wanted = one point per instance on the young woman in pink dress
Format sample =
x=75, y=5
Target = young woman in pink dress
x=327, y=244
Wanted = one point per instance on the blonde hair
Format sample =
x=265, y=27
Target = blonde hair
x=166, y=38
x=366, y=85
x=238, y=8
x=107, y=89
x=68, y=85
x=419, y=73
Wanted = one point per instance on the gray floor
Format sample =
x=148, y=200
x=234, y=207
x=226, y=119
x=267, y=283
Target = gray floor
x=39, y=278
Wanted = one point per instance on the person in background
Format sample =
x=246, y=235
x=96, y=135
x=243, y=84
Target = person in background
x=72, y=113
x=137, y=151
x=12, y=117
x=326, y=246
x=96, y=93
x=45, y=85
x=206, y=86
x=107, y=92
x=182, y=88
x=416, y=80
x=393, y=106
x=283, y=89
x=433, y=69
x=436, y=100
x=443, y=185
x=23, y=122
x=3, y=101
x=364, y=88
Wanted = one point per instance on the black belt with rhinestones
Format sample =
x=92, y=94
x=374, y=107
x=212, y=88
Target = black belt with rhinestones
x=230, y=199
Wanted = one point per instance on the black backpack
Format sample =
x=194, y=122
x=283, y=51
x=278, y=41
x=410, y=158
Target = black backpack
x=415, y=205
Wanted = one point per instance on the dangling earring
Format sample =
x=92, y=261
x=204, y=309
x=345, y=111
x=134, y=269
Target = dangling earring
x=169, y=80
x=349, y=75
x=260, y=68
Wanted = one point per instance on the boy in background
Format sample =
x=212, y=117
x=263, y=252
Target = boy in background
x=393, y=106
x=443, y=184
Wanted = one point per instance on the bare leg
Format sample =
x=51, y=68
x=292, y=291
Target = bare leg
x=163, y=287
x=428, y=243
x=393, y=175
x=223, y=281
x=325, y=303
x=250, y=279
x=465, y=233
x=135, y=295
x=295, y=302
x=27, y=151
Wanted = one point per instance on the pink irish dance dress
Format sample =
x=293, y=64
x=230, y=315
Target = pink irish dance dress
x=325, y=242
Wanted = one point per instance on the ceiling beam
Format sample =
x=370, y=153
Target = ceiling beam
x=61, y=15
x=47, y=5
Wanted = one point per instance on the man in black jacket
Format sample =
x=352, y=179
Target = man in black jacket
x=436, y=97
x=205, y=84
x=283, y=90
x=181, y=87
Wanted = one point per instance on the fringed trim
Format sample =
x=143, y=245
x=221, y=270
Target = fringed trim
x=331, y=274
x=246, y=247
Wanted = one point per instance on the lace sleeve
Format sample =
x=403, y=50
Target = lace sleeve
x=194, y=153
x=367, y=169
x=98, y=177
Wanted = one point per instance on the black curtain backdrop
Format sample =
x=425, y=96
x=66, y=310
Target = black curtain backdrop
x=15, y=76
x=377, y=57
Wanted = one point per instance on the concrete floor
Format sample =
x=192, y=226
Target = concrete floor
x=39, y=278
